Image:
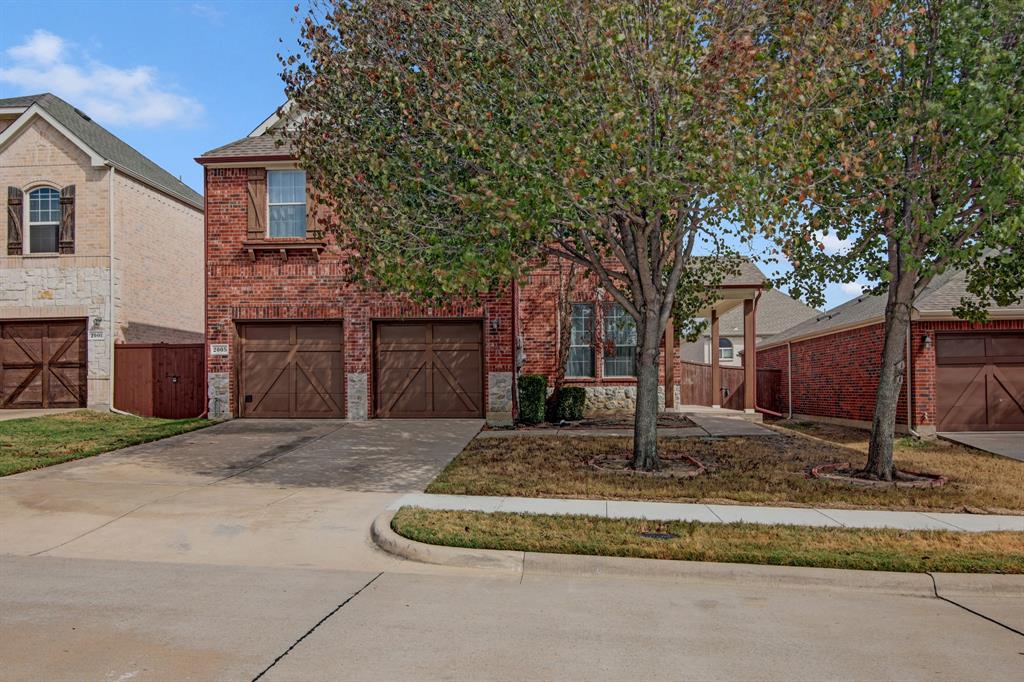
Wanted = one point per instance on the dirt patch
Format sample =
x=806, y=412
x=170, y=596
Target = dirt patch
x=851, y=475
x=675, y=466
x=609, y=421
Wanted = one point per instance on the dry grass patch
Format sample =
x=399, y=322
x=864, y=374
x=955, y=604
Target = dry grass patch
x=863, y=549
x=768, y=470
x=42, y=441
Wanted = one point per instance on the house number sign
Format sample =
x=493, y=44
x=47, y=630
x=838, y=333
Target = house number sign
x=218, y=349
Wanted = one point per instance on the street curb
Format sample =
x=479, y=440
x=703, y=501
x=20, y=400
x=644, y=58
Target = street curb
x=580, y=565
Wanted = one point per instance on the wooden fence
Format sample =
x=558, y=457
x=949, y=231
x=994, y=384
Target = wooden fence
x=695, y=386
x=159, y=380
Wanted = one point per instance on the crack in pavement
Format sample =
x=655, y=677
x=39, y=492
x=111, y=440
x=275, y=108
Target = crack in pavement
x=935, y=589
x=317, y=625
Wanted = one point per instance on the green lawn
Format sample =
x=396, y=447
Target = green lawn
x=41, y=441
x=851, y=548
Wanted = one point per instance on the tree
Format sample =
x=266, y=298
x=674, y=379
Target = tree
x=456, y=141
x=566, y=287
x=910, y=147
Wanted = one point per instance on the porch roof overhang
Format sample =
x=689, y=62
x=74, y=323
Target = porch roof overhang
x=730, y=296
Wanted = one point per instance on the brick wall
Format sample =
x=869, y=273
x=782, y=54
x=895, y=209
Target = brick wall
x=303, y=288
x=159, y=253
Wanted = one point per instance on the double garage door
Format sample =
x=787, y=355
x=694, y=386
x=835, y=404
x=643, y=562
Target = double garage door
x=43, y=364
x=420, y=369
x=980, y=381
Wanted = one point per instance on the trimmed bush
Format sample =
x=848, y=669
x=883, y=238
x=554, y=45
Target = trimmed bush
x=571, y=400
x=533, y=389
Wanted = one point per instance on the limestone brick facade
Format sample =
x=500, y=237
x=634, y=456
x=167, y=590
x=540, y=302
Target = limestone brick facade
x=154, y=277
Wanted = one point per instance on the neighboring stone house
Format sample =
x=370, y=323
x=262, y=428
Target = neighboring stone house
x=776, y=312
x=963, y=376
x=100, y=246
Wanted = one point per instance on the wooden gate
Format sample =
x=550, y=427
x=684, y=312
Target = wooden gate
x=980, y=381
x=695, y=389
x=159, y=380
x=43, y=364
x=428, y=369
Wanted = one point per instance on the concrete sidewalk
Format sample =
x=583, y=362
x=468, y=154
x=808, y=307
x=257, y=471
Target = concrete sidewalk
x=719, y=513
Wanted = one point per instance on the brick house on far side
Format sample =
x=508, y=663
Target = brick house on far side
x=963, y=376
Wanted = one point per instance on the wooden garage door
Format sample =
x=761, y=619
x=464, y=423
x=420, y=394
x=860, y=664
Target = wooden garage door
x=43, y=364
x=428, y=369
x=980, y=382
x=291, y=370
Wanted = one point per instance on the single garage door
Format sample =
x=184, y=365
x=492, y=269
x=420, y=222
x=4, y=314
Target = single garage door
x=291, y=370
x=428, y=369
x=980, y=381
x=43, y=364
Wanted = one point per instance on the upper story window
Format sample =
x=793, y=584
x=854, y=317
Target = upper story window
x=620, y=342
x=725, y=350
x=581, y=342
x=286, y=199
x=43, y=220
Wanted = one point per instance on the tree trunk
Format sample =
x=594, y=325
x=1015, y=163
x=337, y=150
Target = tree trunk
x=890, y=381
x=645, y=425
x=564, y=341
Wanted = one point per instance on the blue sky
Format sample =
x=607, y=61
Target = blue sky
x=173, y=78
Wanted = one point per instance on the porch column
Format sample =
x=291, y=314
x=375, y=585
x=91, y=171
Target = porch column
x=716, y=372
x=749, y=356
x=670, y=365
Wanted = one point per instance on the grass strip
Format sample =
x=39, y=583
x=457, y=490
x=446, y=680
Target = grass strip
x=43, y=441
x=778, y=545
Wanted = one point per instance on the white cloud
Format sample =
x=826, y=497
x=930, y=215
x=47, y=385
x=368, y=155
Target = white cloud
x=131, y=96
x=833, y=244
x=208, y=12
x=853, y=288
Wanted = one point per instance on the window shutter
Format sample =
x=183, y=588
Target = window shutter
x=15, y=200
x=66, y=237
x=310, y=214
x=256, y=203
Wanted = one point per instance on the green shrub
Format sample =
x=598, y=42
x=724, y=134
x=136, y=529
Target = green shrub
x=571, y=400
x=533, y=390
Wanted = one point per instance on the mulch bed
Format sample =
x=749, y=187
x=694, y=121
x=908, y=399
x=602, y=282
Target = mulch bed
x=672, y=466
x=614, y=421
x=846, y=473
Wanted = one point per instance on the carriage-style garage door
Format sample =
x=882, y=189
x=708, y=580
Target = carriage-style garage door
x=428, y=369
x=43, y=364
x=291, y=370
x=980, y=381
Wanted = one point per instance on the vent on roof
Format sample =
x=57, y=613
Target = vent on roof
x=82, y=114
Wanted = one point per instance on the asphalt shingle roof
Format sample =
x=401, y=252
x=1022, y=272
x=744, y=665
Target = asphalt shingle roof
x=940, y=297
x=776, y=312
x=109, y=146
x=263, y=145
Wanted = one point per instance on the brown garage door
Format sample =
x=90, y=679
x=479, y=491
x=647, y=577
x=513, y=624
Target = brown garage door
x=43, y=364
x=980, y=381
x=428, y=369
x=291, y=370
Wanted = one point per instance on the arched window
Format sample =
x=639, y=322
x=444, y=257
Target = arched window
x=43, y=220
x=724, y=349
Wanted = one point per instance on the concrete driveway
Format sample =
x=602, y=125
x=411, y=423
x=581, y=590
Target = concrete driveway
x=247, y=492
x=1006, y=443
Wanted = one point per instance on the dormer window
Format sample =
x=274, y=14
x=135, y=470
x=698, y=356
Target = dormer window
x=43, y=220
x=286, y=200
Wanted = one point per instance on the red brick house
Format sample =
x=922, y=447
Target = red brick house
x=288, y=335
x=963, y=376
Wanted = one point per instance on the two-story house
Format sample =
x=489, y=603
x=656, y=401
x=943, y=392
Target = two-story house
x=100, y=246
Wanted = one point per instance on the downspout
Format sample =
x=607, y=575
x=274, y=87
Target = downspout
x=110, y=292
x=789, y=378
x=910, y=392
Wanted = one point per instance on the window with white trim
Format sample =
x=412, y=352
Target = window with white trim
x=725, y=350
x=581, y=341
x=43, y=220
x=619, y=341
x=286, y=202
